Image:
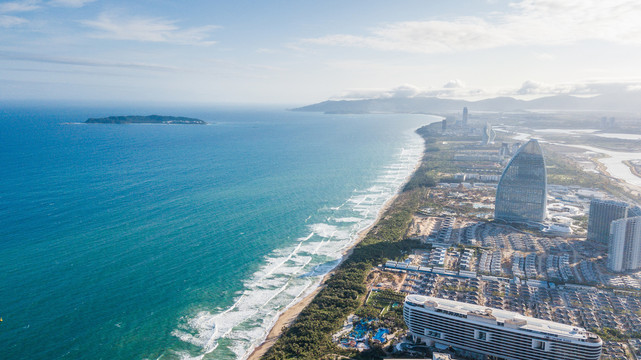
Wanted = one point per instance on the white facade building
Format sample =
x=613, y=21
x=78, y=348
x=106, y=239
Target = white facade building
x=494, y=332
x=624, y=248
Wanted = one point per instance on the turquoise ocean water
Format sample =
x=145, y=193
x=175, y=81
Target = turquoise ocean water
x=178, y=241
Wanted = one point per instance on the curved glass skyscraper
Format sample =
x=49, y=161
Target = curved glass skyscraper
x=521, y=195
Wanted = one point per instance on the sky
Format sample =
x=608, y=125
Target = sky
x=303, y=51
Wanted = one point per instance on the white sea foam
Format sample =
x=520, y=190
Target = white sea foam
x=322, y=269
x=308, y=236
x=346, y=219
x=289, y=274
x=328, y=231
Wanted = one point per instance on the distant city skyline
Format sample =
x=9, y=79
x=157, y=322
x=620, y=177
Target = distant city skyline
x=301, y=52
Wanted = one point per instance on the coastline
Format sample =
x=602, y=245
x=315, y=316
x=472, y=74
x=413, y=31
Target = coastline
x=289, y=315
x=632, y=168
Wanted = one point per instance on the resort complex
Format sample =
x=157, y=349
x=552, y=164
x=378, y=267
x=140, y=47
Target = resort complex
x=494, y=332
x=480, y=258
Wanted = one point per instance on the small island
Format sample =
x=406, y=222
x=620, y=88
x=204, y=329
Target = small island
x=150, y=119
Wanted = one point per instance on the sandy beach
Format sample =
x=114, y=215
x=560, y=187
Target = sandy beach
x=291, y=313
x=283, y=321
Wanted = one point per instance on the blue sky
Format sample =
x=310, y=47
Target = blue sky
x=298, y=52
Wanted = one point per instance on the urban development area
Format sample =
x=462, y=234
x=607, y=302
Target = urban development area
x=511, y=241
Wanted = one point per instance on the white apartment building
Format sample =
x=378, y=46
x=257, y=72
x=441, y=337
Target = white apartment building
x=624, y=246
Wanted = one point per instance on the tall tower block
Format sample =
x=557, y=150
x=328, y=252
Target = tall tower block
x=624, y=248
x=464, y=120
x=602, y=214
x=521, y=195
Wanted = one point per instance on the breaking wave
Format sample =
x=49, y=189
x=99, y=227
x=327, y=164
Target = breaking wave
x=291, y=273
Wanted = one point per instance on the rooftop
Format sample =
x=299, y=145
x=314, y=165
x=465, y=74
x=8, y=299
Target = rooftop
x=509, y=319
x=531, y=147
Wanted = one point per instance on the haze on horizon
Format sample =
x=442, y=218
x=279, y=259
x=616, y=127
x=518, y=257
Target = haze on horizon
x=305, y=52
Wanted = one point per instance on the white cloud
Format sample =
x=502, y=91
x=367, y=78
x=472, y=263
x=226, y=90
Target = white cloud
x=358, y=94
x=404, y=91
x=528, y=22
x=111, y=26
x=544, y=56
x=454, y=84
x=531, y=87
x=411, y=91
x=70, y=3
x=422, y=37
x=9, y=21
x=454, y=92
x=19, y=6
x=39, y=58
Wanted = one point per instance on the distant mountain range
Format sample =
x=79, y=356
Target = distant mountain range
x=628, y=102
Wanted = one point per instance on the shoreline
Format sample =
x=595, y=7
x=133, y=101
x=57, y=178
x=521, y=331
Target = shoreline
x=289, y=315
x=632, y=168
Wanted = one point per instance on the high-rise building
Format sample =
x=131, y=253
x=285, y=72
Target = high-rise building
x=607, y=123
x=494, y=332
x=634, y=211
x=464, y=120
x=488, y=135
x=521, y=195
x=624, y=248
x=602, y=213
x=515, y=147
x=504, y=150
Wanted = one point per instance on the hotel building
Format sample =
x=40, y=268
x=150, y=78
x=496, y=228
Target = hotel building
x=521, y=195
x=494, y=332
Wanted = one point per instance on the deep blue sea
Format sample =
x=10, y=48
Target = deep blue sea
x=179, y=241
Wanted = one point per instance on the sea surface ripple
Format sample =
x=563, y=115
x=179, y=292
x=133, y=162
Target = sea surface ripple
x=152, y=241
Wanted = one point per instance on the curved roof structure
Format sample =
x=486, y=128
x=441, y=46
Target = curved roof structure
x=521, y=195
